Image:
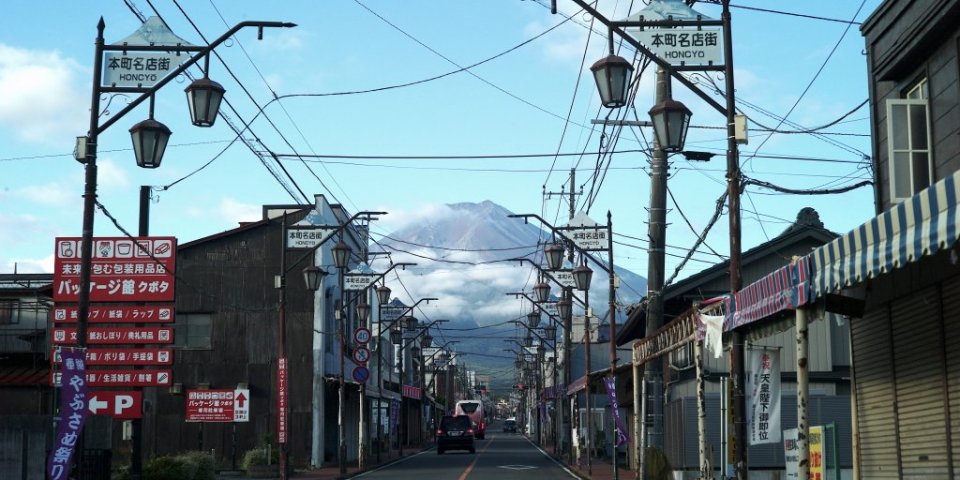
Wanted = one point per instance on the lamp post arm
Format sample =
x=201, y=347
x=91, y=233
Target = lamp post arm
x=549, y=276
x=616, y=28
x=559, y=232
x=201, y=53
x=556, y=319
x=379, y=276
x=337, y=230
x=542, y=340
x=408, y=310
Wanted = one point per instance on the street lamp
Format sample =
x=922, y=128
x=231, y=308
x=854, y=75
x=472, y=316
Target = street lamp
x=582, y=276
x=612, y=74
x=383, y=294
x=313, y=277
x=341, y=258
x=203, y=97
x=670, y=120
x=554, y=254
x=150, y=139
x=533, y=319
x=564, y=308
x=542, y=291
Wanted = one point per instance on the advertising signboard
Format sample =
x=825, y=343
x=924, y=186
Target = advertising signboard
x=122, y=269
x=125, y=356
x=114, y=335
x=117, y=314
x=282, y=399
x=218, y=405
x=123, y=378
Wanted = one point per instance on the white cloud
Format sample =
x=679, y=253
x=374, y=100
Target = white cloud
x=41, y=100
x=111, y=175
x=237, y=211
x=29, y=265
x=398, y=218
x=283, y=40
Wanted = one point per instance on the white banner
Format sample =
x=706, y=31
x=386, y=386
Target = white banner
x=791, y=454
x=763, y=396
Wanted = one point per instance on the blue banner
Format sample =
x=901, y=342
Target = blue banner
x=620, y=431
x=394, y=413
x=73, y=413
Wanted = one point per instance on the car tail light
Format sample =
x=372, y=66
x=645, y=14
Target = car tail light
x=439, y=432
x=470, y=431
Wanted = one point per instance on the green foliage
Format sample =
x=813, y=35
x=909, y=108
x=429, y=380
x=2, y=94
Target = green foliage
x=657, y=465
x=258, y=456
x=186, y=466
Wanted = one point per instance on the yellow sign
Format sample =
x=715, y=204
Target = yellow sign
x=815, y=443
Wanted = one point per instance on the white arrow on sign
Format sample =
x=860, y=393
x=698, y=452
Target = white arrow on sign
x=96, y=405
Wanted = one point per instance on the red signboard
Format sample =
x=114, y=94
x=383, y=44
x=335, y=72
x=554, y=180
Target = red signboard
x=117, y=314
x=123, y=378
x=117, y=404
x=282, y=400
x=125, y=356
x=121, y=270
x=411, y=392
x=114, y=335
x=216, y=405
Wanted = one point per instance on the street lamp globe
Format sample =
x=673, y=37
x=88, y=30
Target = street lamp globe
x=204, y=97
x=383, y=294
x=396, y=336
x=426, y=341
x=670, y=121
x=612, y=74
x=582, y=276
x=313, y=277
x=363, y=311
x=341, y=255
x=550, y=333
x=542, y=292
x=554, y=254
x=533, y=319
x=410, y=323
x=150, y=139
x=564, y=308
x=528, y=341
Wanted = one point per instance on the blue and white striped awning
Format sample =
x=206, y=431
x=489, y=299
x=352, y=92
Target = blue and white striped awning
x=922, y=225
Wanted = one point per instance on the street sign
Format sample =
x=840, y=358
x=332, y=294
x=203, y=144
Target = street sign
x=361, y=355
x=359, y=281
x=361, y=374
x=683, y=45
x=122, y=269
x=117, y=314
x=218, y=405
x=125, y=356
x=115, y=335
x=308, y=237
x=138, y=69
x=117, y=404
x=282, y=399
x=123, y=378
x=361, y=335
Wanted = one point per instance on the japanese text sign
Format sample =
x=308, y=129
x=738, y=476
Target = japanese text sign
x=308, y=237
x=125, y=356
x=123, y=378
x=683, y=46
x=73, y=414
x=763, y=397
x=121, y=270
x=115, y=335
x=117, y=314
x=218, y=405
x=138, y=69
x=282, y=400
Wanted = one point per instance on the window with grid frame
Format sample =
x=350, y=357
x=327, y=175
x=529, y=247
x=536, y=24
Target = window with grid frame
x=908, y=142
x=9, y=312
x=193, y=331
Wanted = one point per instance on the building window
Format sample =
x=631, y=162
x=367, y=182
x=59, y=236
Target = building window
x=908, y=141
x=9, y=312
x=192, y=330
x=682, y=357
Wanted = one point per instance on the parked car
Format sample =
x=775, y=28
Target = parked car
x=510, y=425
x=455, y=433
x=474, y=410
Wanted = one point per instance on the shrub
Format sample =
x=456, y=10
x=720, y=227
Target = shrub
x=186, y=466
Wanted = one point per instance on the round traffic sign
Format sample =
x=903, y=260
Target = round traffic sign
x=361, y=374
x=361, y=355
x=361, y=335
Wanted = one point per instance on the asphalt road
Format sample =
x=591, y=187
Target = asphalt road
x=500, y=456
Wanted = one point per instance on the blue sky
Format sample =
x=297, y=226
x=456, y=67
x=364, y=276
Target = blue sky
x=514, y=104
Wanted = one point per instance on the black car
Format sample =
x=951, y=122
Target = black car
x=455, y=433
x=510, y=425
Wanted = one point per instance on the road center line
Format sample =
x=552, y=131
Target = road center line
x=469, y=469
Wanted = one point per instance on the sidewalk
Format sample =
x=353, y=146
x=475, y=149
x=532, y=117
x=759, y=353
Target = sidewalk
x=332, y=471
x=601, y=468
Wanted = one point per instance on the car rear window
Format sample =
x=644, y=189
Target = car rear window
x=469, y=407
x=453, y=423
x=510, y=423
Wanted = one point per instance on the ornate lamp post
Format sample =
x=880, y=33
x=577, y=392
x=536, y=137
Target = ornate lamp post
x=341, y=258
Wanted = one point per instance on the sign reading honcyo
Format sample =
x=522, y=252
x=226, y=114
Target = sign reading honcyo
x=683, y=46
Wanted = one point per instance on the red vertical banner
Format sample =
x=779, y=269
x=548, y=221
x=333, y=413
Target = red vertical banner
x=282, y=400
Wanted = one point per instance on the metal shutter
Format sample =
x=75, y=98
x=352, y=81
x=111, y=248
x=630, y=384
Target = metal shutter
x=873, y=368
x=920, y=385
x=951, y=329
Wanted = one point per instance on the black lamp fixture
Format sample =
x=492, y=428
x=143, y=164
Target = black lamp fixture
x=410, y=323
x=670, y=121
x=550, y=333
x=363, y=311
x=612, y=74
x=426, y=341
x=582, y=276
x=383, y=294
x=150, y=139
x=415, y=351
x=396, y=336
x=554, y=253
x=341, y=255
x=533, y=319
x=528, y=341
x=204, y=97
x=542, y=291
x=313, y=277
x=564, y=308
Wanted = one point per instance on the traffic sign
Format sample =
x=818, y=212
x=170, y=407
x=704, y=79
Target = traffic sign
x=361, y=335
x=361, y=374
x=361, y=355
x=117, y=404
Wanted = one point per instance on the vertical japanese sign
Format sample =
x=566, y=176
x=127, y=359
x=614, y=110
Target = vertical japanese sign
x=818, y=451
x=282, y=400
x=791, y=454
x=763, y=397
x=394, y=413
x=621, y=431
x=73, y=413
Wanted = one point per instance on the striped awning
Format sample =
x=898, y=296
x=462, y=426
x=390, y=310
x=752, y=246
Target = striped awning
x=784, y=289
x=921, y=225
